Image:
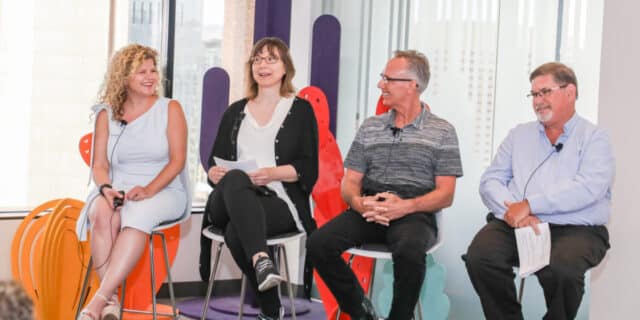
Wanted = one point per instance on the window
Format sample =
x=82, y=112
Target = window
x=53, y=57
x=52, y=60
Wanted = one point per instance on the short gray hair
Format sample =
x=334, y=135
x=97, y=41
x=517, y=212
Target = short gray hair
x=418, y=65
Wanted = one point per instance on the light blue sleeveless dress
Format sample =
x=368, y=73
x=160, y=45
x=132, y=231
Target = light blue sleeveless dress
x=137, y=152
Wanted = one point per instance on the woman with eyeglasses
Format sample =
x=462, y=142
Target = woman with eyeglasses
x=278, y=130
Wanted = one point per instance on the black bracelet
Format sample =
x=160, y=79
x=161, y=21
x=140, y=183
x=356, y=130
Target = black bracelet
x=102, y=186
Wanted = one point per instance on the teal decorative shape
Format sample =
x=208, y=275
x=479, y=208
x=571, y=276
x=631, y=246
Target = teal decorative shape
x=435, y=303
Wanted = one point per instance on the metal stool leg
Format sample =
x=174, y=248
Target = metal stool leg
x=85, y=288
x=243, y=292
x=169, y=280
x=153, y=277
x=212, y=278
x=419, y=309
x=521, y=290
x=276, y=261
x=289, y=286
x=373, y=275
x=123, y=290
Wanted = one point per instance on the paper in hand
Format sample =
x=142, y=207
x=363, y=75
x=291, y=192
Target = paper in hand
x=534, y=251
x=246, y=165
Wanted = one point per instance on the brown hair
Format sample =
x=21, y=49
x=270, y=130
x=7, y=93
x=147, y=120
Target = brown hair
x=418, y=65
x=124, y=63
x=272, y=44
x=562, y=74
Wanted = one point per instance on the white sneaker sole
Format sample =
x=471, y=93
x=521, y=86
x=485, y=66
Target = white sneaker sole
x=271, y=281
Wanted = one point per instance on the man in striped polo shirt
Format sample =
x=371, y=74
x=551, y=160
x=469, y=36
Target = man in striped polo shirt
x=400, y=170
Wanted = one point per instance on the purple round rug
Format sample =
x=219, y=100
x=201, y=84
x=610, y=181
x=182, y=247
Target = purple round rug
x=223, y=308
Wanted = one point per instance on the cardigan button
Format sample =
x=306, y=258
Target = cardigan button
x=277, y=157
x=277, y=141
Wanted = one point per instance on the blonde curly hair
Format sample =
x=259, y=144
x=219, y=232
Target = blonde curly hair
x=125, y=62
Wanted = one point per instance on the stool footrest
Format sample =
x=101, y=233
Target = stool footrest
x=150, y=312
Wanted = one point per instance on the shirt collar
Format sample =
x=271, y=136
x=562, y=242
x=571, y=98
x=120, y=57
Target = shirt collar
x=417, y=122
x=567, y=127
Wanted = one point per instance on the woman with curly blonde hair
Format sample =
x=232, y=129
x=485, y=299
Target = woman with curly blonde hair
x=138, y=165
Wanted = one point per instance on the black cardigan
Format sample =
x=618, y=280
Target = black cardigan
x=296, y=144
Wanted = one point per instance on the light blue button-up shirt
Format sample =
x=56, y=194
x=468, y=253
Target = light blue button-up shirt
x=573, y=186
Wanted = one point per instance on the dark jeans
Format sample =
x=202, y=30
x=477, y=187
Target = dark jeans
x=248, y=217
x=408, y=239
x=493, y=253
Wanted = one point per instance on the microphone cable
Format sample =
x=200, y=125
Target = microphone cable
x=557, y=148
x=123, y=125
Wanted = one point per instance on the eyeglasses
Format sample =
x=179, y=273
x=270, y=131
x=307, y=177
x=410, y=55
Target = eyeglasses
x=545, y=92
x=267, y=59
x=386, y=79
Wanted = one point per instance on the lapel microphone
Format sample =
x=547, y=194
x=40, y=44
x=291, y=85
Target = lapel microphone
x=395, y=131
x=556, y=148
x=123, y=123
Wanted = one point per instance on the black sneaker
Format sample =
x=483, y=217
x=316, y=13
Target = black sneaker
x=267, y=274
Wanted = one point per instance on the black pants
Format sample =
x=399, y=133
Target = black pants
x=248, y=217
x=408, y=239
x=493, y=253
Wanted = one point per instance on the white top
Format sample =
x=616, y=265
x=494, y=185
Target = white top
x=258, y=142
x=137, y=153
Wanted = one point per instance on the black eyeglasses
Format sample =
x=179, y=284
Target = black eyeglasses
x=386, y=79
x=267, y=59
x=545, y=92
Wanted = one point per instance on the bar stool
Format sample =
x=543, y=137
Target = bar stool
x=381, y=251
x=157, y=231
x=278, y=242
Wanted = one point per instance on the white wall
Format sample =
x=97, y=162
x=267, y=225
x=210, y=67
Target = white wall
x=615, y=283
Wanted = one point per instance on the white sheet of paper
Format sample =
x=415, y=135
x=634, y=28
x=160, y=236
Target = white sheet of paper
x=534, y=251
x=246, y=165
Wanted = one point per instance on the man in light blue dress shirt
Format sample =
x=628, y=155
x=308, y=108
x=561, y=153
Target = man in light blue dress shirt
x=558, y=169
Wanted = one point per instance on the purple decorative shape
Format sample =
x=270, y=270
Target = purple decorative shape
x=272, y=19
x=215, y=99
x=325, y=62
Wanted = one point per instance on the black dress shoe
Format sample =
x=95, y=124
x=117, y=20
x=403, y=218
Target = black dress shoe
x=369, y=313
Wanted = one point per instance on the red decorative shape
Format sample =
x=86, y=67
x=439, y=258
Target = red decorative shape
x=326, y=193
x=381, y=107
x=85, y=147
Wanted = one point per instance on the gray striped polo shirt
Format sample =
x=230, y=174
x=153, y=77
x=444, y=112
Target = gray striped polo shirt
x=405, y=161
